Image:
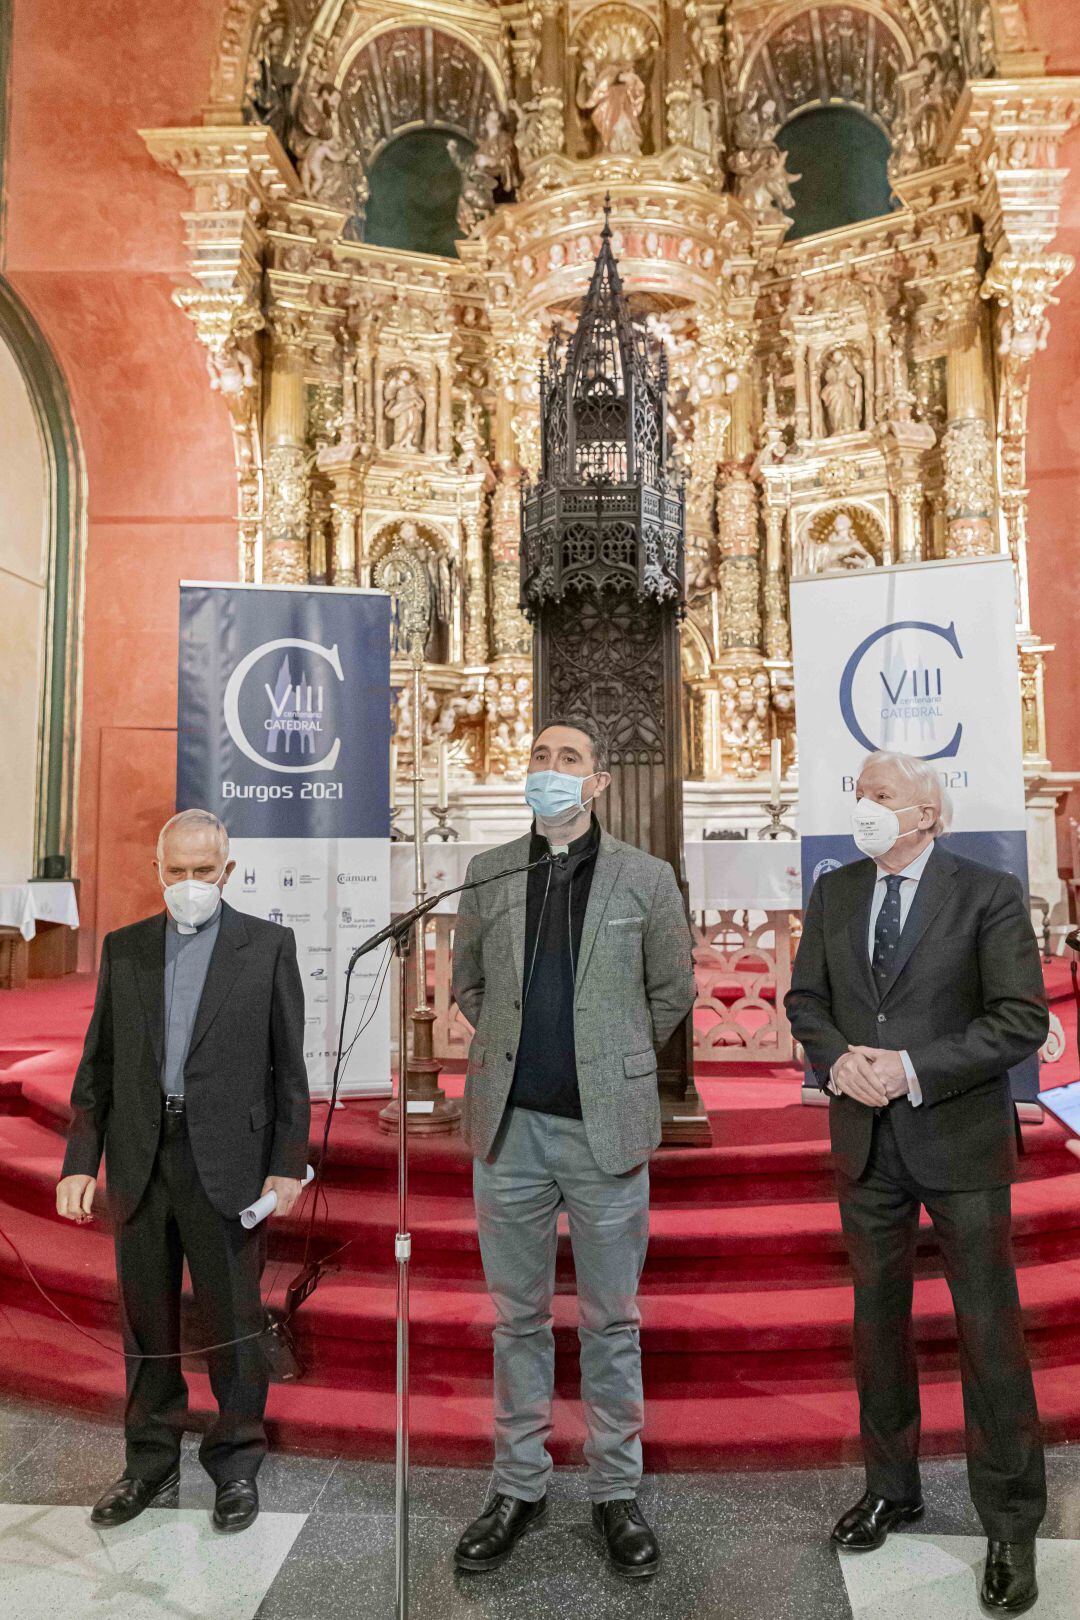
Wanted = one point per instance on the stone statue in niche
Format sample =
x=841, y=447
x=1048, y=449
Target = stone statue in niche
x=611, y=90
x=404, y=410
x=840, y=548
x=438, y=577
x=320, y=145
x=757, y=165
x=842, y=394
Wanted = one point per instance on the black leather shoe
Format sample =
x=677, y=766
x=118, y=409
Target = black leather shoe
x=129, y=1497
x=633, y=1549
x=865, y=1526
x=236, y=1505
x=490, y=1539
x=1009, y=1585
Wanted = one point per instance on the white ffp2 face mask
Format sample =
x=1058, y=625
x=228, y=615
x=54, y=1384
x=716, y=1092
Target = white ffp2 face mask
x=192, y=902
x=875, y=828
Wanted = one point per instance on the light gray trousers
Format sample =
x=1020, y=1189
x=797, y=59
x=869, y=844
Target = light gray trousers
x=539, y=1165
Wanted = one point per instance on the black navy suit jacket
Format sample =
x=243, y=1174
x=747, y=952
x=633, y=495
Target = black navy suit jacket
x=245, y=1082
x=965, y=999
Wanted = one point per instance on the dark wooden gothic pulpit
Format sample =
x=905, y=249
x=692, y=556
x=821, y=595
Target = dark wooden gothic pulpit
x=602, y=581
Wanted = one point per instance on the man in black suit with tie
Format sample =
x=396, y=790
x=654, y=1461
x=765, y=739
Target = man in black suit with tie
x=192, y=1081
x=916, y=987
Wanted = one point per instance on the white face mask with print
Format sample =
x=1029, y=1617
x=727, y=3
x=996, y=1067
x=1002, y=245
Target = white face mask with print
x=875, y=828
x=192, y=902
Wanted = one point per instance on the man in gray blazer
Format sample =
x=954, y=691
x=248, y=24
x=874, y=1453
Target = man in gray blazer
x=572, y=975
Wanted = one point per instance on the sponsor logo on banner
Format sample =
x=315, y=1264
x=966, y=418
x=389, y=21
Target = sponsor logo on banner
x=275, y=915
x=895, y=689
x=249, y=877
x=288, y=877
x=356, y=877
x=278, y=705
x=317, y=973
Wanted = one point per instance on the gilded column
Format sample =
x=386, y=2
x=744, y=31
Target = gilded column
x=777, y=629
x=737, y=534
x=968, y=445
x=677, y=75
x=476, y=614
x=550, y=135
x=285, y=544
x=345, y=518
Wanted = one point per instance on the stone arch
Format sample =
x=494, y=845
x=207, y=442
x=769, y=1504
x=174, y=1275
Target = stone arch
x=826, y=54
x=63, y=516
x=393, y=79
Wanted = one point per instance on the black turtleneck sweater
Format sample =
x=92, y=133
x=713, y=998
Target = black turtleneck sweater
x=545, y=1076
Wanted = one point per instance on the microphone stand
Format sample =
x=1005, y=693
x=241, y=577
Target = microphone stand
x=399, y=933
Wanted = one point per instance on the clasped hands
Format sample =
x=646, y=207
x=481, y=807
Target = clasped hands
x=870, y=1075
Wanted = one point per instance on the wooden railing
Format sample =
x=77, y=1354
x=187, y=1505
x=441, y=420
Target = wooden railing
x=743, y=973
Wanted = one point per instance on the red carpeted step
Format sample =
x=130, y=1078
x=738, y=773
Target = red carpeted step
x=76, y=1264
x=759, y=1422
x=746, y=1302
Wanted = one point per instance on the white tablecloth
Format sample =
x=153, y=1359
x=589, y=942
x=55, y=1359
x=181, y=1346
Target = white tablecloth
x=24, y=905
x=723, y=874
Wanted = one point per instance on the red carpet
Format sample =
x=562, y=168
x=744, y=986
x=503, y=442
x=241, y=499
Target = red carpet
x=745, y=1298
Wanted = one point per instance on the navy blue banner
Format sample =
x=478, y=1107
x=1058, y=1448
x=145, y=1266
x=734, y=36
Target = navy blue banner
x=284, y=710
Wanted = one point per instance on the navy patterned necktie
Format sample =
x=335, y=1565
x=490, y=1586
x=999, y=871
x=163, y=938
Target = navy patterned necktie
x=887, y=930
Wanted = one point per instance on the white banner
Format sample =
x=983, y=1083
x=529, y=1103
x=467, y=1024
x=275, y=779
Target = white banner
x=920, y=659
x=333, y=893
x=283, y=731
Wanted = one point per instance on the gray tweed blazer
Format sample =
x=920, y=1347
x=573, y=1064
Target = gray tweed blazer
x=635, y=985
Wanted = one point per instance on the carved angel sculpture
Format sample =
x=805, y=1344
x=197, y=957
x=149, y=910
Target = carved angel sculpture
x=320, y=145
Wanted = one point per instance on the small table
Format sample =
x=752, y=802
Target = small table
x=32, y=915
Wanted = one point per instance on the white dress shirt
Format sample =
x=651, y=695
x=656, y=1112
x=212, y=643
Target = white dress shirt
x=911, y=875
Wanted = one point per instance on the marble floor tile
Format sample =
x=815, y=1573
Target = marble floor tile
x=938, y=1578
x=557, y=1570
x=162, y=1566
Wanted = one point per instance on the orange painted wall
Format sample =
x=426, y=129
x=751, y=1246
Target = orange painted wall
x=1054, y=440
x=94, y=245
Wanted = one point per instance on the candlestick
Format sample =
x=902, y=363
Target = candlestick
x=775, y=763
x=444, y=774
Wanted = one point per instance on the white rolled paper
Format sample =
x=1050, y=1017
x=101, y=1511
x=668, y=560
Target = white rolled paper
x=262, y=1207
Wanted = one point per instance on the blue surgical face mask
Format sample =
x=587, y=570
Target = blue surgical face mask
x=554, y=796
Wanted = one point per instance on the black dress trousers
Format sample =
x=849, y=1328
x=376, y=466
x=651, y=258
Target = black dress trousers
x=175, y=1221
x=880, y=1214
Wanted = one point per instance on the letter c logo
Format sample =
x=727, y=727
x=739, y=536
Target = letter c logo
x=851, y=669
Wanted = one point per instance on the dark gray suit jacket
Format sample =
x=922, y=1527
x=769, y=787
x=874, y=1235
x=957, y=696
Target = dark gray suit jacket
x=965, y=1000
x=634, y=987
x=245, y=1081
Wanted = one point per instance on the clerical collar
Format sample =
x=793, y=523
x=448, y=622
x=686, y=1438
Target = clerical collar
x=589, y=839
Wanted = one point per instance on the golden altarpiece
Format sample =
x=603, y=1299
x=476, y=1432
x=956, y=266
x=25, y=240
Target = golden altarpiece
x=853, y=397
